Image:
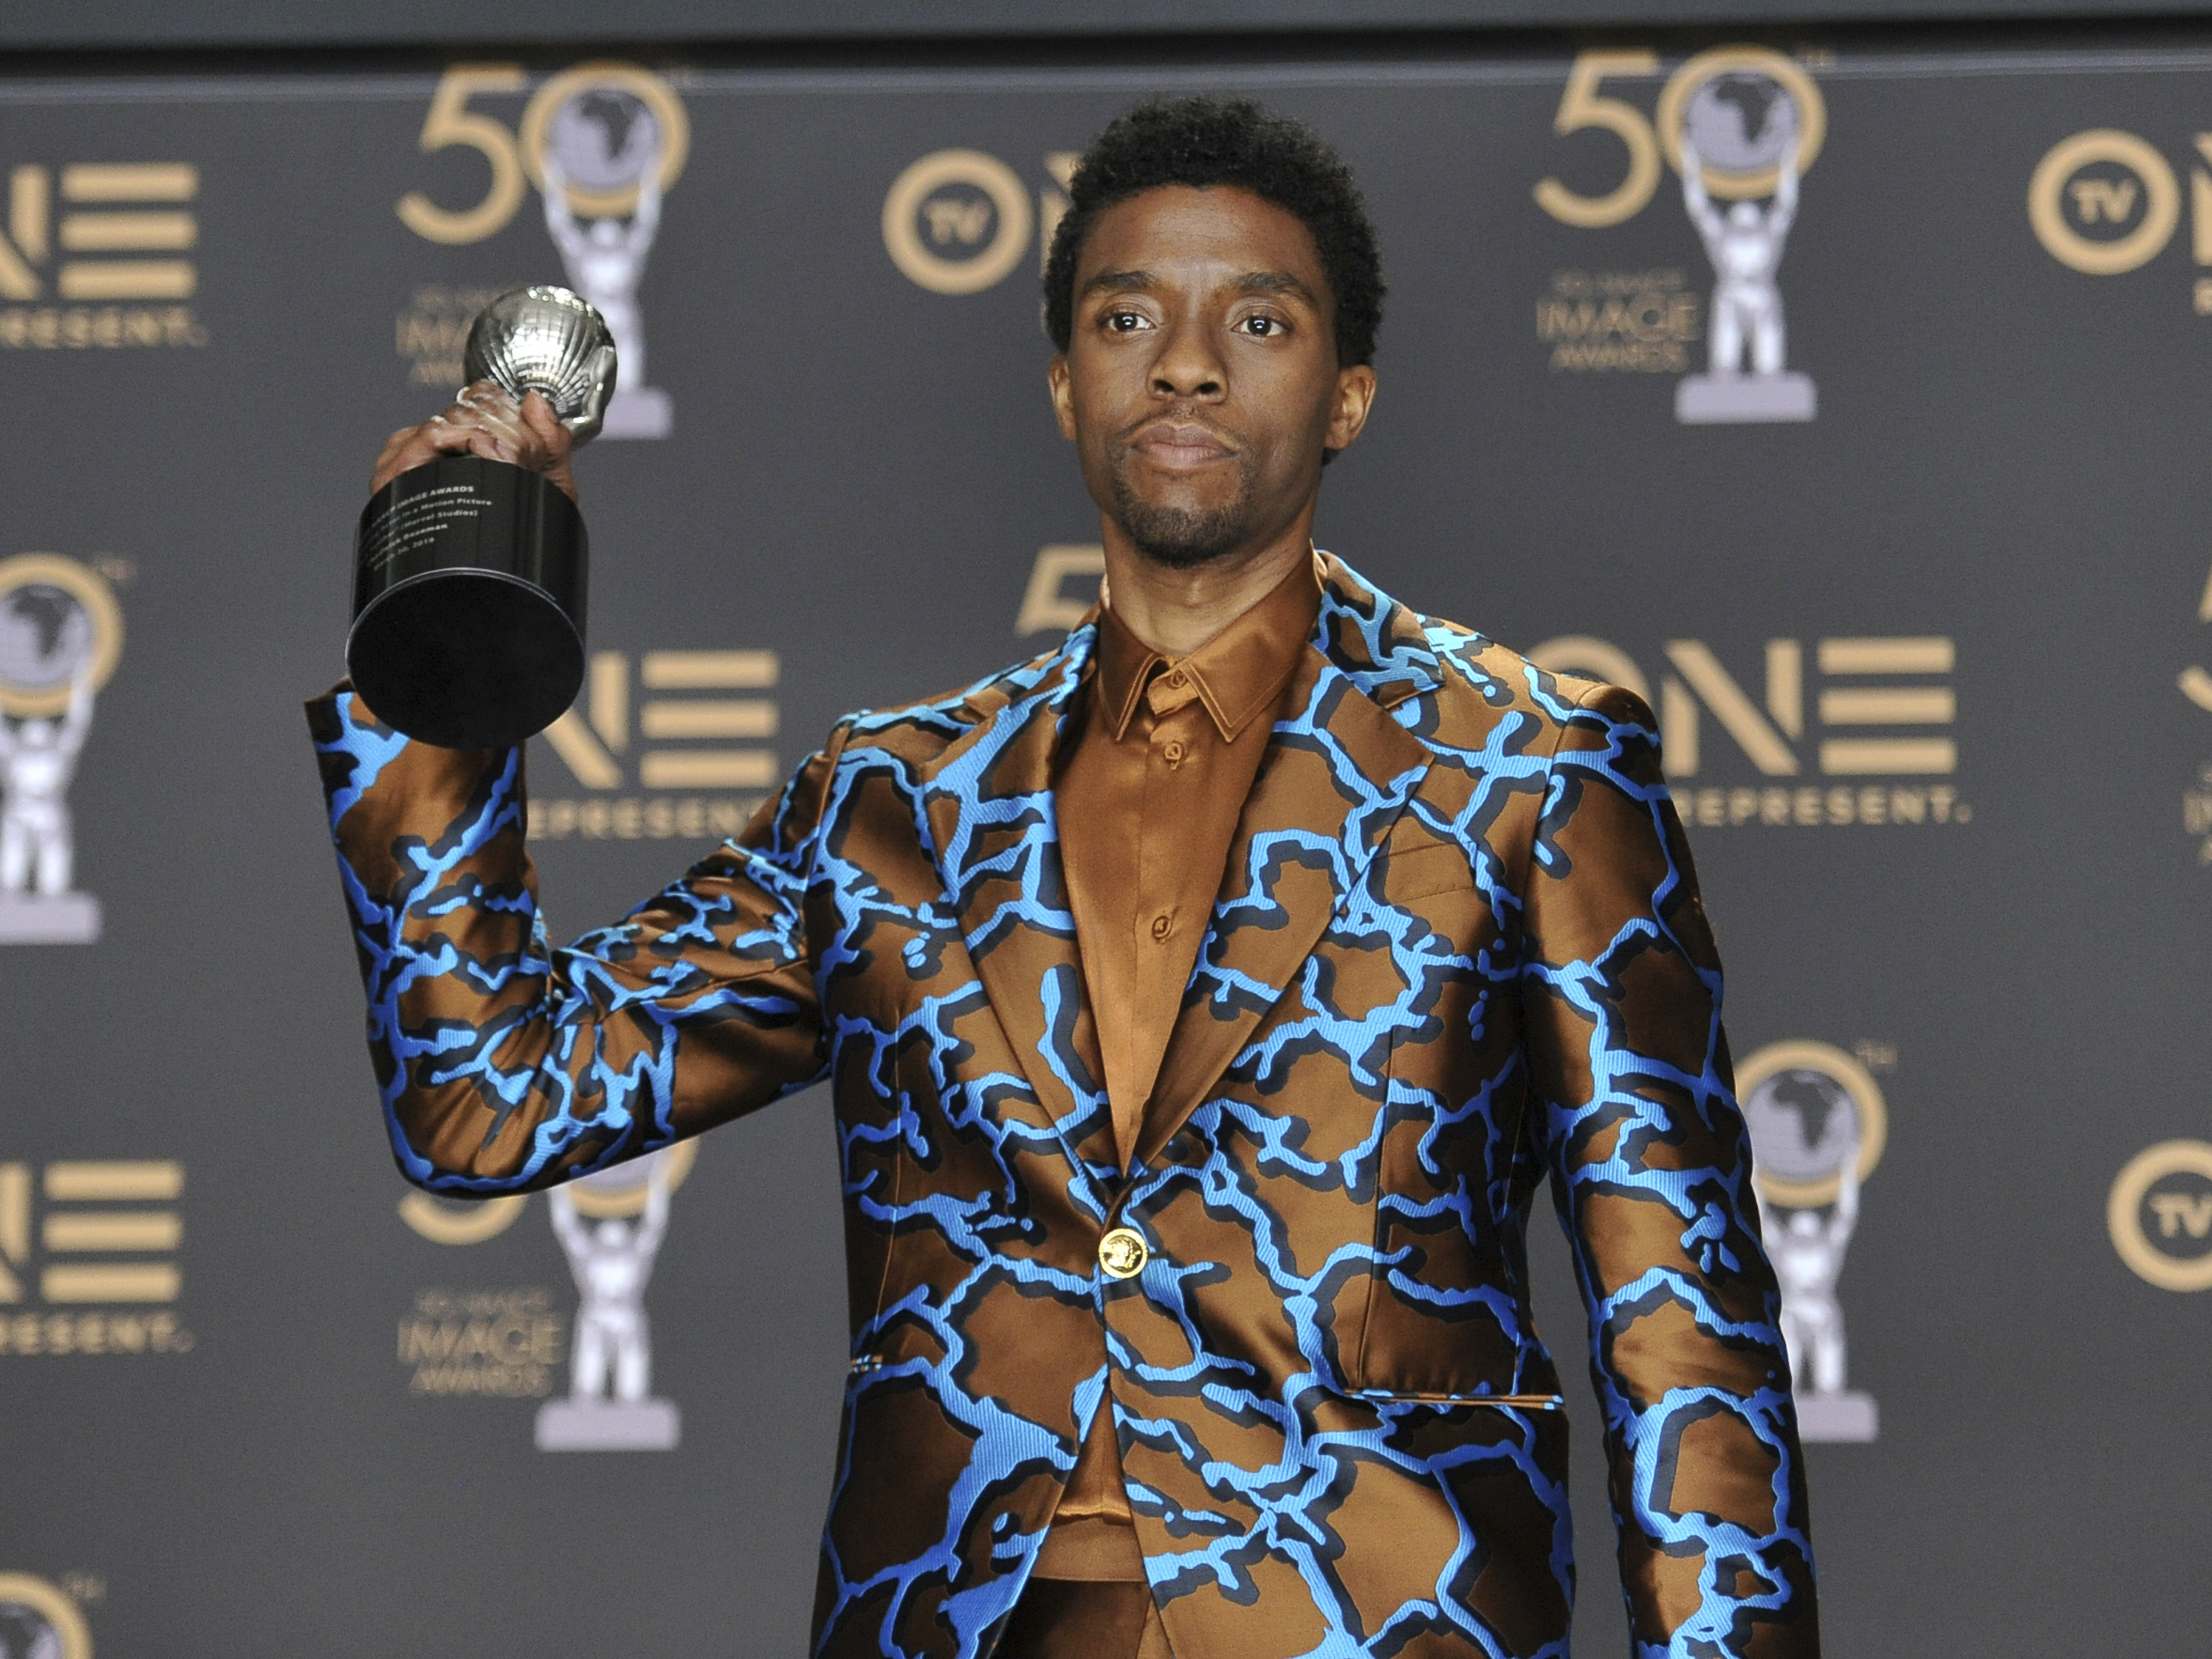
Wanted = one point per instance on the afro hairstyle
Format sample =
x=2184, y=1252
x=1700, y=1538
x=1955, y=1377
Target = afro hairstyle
x=1210, y=141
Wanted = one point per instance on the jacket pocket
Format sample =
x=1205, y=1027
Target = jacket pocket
x=1443, y=1318
x=1507, y=1401
x=1420, y=868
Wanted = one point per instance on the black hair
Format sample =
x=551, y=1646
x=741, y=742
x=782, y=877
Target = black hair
x=1210, y=141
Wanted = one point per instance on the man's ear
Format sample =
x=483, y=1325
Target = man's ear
x=1062, y=395
x=1355, y=396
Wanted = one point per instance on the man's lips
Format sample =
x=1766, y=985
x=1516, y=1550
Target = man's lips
x=1180, y=444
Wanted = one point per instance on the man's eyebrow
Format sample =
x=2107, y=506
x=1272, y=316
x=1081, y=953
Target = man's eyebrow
x=1274, y=282
x=1251, y=282
x=1119, y=282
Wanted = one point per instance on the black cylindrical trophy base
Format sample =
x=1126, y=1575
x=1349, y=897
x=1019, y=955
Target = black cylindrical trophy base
x=468, y=603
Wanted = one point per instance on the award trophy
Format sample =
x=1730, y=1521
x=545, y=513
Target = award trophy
x=469, y=574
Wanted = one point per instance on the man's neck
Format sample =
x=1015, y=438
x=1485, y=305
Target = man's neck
x=1175, y=612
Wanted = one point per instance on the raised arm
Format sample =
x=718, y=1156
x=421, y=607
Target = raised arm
x=1694, y=198
x=1651, y=1169
x=567, y=1225
x=560, y=220
x=76, y=724
x=653, y=1226
x=1785, y=211
x=646, y=220
x=1845, y=1219
x=507, y=1064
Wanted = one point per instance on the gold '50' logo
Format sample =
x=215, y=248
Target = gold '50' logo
x=516, y=155
x=1648, y=138
x=449, y=1221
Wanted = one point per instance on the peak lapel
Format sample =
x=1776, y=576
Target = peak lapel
x=1336, y=776
x=988, y=800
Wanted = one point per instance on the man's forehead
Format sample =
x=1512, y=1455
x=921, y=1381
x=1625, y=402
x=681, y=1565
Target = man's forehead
x=1178, y=231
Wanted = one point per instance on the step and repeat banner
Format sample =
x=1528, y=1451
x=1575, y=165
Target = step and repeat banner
x=1852, y=407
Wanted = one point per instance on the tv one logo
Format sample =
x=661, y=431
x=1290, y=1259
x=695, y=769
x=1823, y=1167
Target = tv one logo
x=2105, y=202
x=88, y=1257
x=1870, y=716
x=959, y=220
x=658, y=740
x=88, y=245
x=2159, y=1215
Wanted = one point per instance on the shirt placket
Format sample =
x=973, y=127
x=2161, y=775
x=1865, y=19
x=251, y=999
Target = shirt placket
x=1166, y=934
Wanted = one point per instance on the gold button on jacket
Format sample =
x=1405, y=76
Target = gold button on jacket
x=1123, y=1254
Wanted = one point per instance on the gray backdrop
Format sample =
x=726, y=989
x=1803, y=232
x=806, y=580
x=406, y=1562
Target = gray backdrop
x=309, y=1427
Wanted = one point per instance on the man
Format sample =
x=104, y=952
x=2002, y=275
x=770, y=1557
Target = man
x=1204, y=1003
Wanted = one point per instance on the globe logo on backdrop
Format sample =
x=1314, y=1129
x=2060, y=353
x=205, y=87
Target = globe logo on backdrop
x=604, y=139
x=25, y=1633
x=45, y=636
x=39, y=1622
x=1815, y=1113
x=1742, y=122
x=1803, y=1126
x=1817, y=1124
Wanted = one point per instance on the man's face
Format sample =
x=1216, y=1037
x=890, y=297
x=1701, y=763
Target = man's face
x=1200, y=382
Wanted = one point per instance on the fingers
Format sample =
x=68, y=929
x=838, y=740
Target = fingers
x=484, y=421
x=420, y=445
x=537, y=415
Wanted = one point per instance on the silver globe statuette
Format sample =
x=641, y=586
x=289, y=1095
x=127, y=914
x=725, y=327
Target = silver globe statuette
x=548, y=340
x=470, y=574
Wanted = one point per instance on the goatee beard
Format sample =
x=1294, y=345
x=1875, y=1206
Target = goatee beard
x=1180, y=537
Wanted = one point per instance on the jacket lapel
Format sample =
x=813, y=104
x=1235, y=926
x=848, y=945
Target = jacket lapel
x=1336, y=775
x=988, y=802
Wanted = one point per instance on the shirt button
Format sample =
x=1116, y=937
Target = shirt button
x=1162, y=926
x=1123, y=1254
x=1174, y=752
x=1175, y=680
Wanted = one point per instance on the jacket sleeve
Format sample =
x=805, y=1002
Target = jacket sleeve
x=506, y=1064
x=1651, y=1169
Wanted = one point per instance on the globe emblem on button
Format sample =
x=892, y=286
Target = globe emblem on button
x=1123, y=1254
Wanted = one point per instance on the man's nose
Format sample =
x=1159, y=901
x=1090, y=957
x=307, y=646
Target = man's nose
x=1188, y=364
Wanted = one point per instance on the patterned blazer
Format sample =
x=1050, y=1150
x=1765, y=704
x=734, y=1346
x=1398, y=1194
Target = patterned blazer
x=1458, y=948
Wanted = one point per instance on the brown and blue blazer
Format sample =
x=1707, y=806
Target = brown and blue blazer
x=1458, y=953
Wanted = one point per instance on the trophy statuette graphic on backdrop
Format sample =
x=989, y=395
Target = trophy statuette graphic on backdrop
x=60, y=636
x=599, y=143
x=610, y=1226
x=470, y=574
x=1818, y=1125
x=1743, y=131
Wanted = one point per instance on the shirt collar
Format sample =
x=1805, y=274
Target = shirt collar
x=1237, y=672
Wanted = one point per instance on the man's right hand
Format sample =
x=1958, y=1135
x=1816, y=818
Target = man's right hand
x=484, y=421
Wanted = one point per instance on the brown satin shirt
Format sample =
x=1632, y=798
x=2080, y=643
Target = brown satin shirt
x=1147, y=796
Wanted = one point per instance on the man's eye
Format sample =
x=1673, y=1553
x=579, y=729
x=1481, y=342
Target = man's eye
x=1125, y=322
x=1262, y=327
